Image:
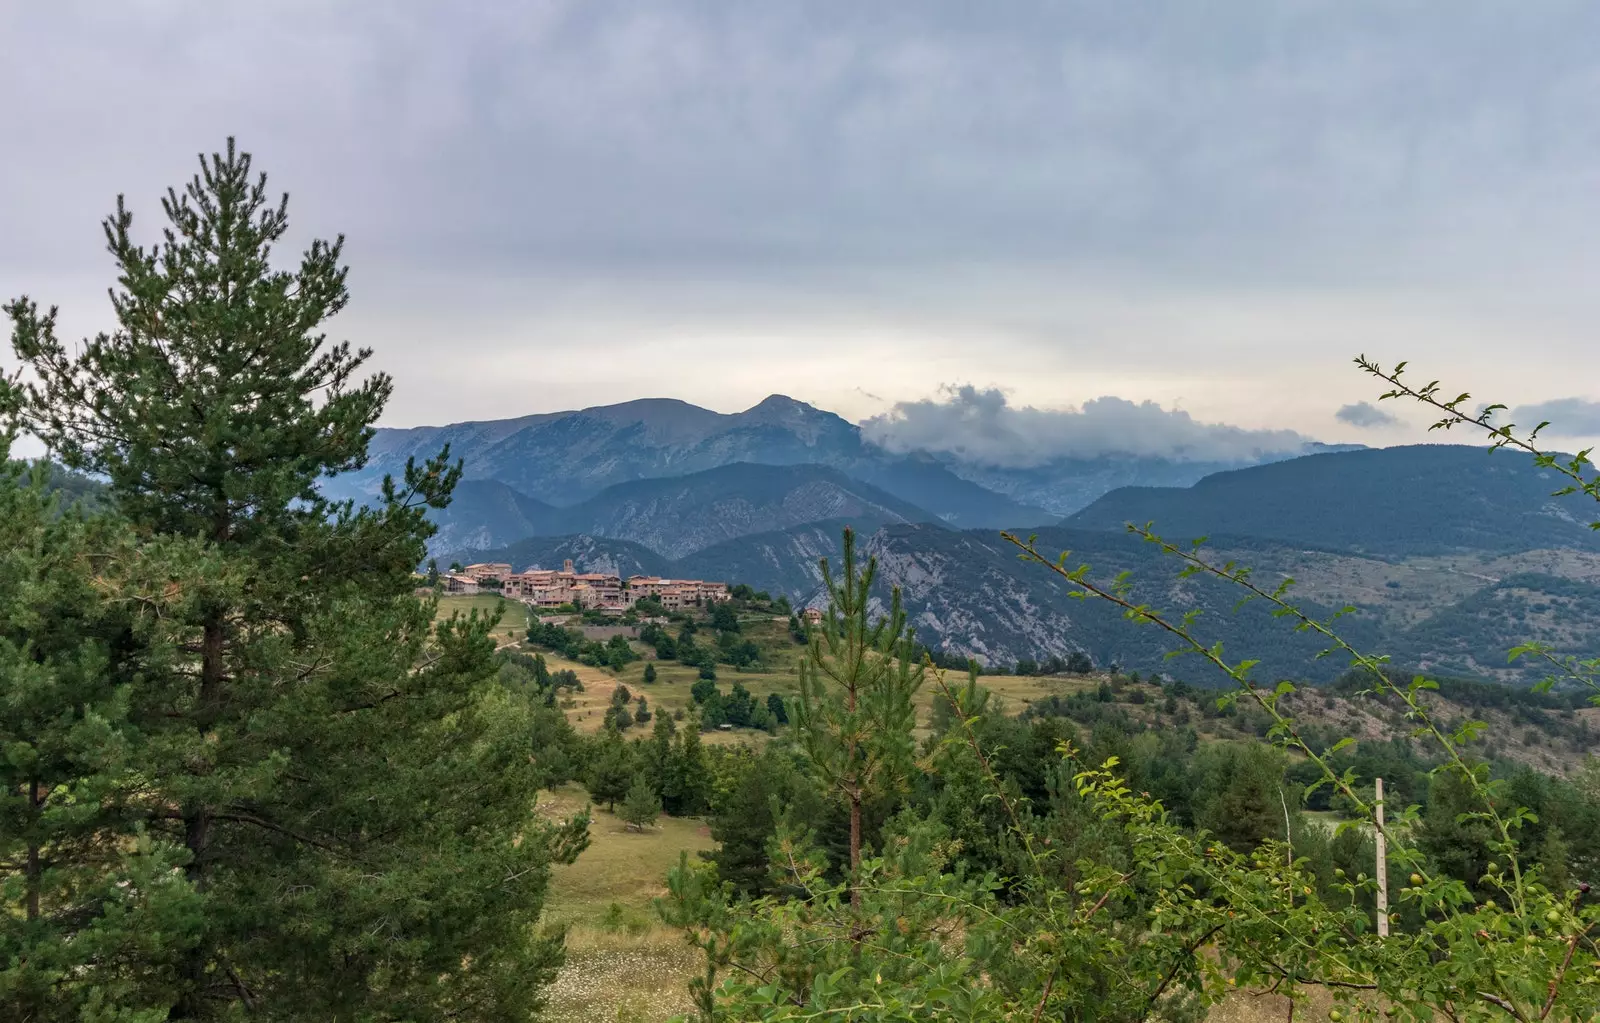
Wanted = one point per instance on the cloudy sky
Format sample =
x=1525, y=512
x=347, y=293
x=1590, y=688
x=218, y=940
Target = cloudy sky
x=1041, y=215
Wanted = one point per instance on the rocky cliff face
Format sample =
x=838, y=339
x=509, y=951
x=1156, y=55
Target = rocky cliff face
x=963, y=593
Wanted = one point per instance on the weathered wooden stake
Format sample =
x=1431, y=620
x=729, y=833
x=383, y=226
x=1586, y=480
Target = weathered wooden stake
x=1383, y=869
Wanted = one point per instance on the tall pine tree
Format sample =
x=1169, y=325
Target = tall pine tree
x=351, y=790
x=855, y=716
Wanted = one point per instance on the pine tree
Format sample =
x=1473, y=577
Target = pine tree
x=775, y=707
x=347, y=783
x=691, y=778
x=90, y=911
x=657, y=757
x=642, y=806
x=855, y=716
x=611, y=770
x=745, y=821
x=649, y=673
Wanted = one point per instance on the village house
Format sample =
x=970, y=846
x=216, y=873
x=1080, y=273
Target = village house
x=813, y=615
x=545, y=587
x=496, y=571
x=675, y=594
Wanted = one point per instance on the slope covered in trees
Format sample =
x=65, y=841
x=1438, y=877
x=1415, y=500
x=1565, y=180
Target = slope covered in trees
x=1388, y=502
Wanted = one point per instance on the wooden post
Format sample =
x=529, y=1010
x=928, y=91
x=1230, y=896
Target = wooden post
x=1288, y=841
x=1383, y=869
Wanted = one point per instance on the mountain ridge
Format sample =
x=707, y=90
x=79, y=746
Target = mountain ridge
x=675, y=516
x=1374, y=501
x=565, y=457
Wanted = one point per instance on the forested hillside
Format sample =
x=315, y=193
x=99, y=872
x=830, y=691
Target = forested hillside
x=1418, y=500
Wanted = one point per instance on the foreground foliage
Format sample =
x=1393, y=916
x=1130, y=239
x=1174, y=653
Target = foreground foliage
x=1151, y=919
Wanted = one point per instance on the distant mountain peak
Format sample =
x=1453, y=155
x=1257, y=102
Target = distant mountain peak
x=782, y=405
x=667, y=418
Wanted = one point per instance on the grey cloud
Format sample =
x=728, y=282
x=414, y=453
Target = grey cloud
x=1568, y=417
x=981, y=426
x=1366, y=415
x=516, y=175
x=672, y=133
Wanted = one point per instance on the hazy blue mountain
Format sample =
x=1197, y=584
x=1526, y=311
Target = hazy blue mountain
x=487, y=513
x=1448, y=585
x=1066, y=485
x=564, y=458
x=588, y=554
x=782, y=561
x=677, y=515
x=1395, y=502
x=968, y=593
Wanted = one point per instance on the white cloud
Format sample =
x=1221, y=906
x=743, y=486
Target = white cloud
x=1366, y=415
x=981, y=426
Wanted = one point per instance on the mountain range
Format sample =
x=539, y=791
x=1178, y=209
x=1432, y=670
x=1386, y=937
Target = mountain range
x=566, y=458
x=675, y=515
x=1393, y=502
x=1449, y=555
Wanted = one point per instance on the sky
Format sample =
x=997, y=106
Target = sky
x=1165, y=226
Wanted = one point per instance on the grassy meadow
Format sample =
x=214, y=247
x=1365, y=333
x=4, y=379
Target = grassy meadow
x=513, y=619
x=622, y=964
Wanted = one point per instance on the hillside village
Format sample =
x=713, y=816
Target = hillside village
x=598, y=591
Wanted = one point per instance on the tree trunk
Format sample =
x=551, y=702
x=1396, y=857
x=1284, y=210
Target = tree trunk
x=855, y=849
x=34, y=872
x=197, y=816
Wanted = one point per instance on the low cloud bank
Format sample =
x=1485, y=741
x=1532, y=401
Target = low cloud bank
x=1568, y=417
x=982, y=427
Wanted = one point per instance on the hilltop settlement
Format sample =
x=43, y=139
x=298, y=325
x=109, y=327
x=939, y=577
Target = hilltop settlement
x=599, y=591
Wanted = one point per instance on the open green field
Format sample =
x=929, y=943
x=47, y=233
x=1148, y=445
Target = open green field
x=621, y=963
x=513, y=621
x=671, y=690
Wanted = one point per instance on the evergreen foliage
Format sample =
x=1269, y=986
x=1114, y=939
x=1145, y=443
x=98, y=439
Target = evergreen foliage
x=611, y=770
x=641, y=806
x=1014, y=884
x=344, y=784
x=854, y=716
x=94, y=910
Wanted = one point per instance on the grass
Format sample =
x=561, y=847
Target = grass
x=513, y=620
x=621, y=962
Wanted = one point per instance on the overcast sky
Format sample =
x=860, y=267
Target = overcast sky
x=904, y=210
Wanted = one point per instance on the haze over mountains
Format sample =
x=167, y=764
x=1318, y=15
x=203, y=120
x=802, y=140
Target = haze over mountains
x=663, y=487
